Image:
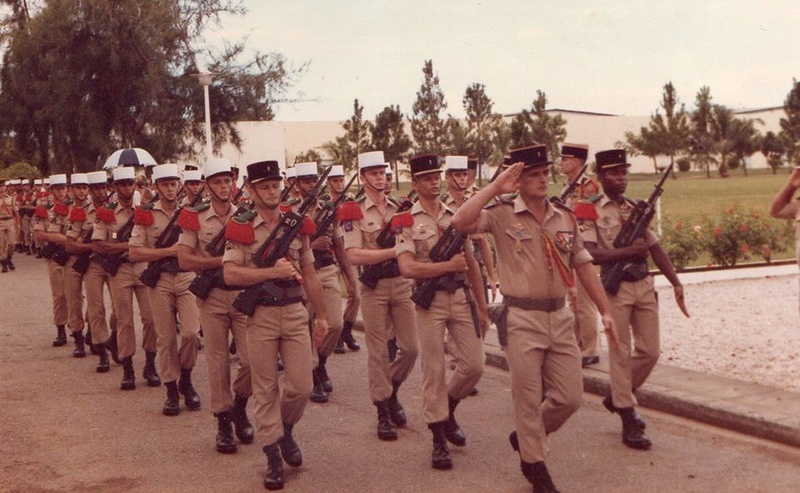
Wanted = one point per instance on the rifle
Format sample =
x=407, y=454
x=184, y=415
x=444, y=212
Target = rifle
x=274, y=248
x=167, y=238
x=327, y=215
x=81, y=264
x=110, y=263
x=562, y=199
x=371, y=274
x=612, y=274
x=205, y=281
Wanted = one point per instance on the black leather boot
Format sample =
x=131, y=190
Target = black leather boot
x=61, y=336
x=112, y=347
x=11, y=263
x=440, y=457
x=149, y=373
x=339, y=348
x=539, y=477
x=225, y=442
x=608, y=403
x=80, y=349
x=103, y=366
x=273, y=479
x=632, y=434
x=396, y=411
x=87, y=339
x=290, y=451
x=172, y=405
x=347, y=337
x=386, y=430
x=128, y=377
x=4, y=263
x=185, y=387
x=452, y=431
x=322, y=372
x=318, y=394
x=244, y=430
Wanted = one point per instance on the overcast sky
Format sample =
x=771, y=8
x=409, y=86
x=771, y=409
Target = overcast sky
x=600, y=56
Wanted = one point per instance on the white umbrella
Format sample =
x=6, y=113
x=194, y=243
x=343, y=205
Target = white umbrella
x=129, y=157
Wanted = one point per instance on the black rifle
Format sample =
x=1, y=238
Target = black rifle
x=276, y=247
x=81, y=264
x=207, y=279
x=612, y=274
x=371, y=274
x=562, y=199
x=112, y=262
x=167, y=238
x=327, y=214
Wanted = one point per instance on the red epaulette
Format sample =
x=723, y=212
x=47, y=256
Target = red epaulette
x=106, y=215
x=308, y=228
x=189, y=219
x=585, y=211
x=60, y=209
x=41, y=212
x=285, y=207
x=240, y=232
x=77, y=215
x=143, y=217
x=349, y=210
x=402, y=220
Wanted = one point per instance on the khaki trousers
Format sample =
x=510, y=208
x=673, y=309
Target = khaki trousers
x=172, y=294
x=451, y=312
x=124, y=286
x=8, y=238
x=332, y=296
x=351, y=305
x=587, y=323
x=219, y=319
x=635, y=312
x=73, y=290
x=541, y=348
x=94, y=280
x=274, y=331
x=389, y=301
x=58, y=292
x=25, y=234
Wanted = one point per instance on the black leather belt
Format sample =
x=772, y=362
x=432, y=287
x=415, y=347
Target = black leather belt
x=546, y=305
x=323, y=262
x=269, y=301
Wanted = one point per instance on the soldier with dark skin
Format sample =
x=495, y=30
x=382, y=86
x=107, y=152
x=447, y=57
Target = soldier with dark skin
x=536, y=241
x=279, y=325
x=634, y=307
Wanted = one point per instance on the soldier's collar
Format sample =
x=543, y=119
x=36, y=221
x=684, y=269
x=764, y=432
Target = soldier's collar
x=520, y=206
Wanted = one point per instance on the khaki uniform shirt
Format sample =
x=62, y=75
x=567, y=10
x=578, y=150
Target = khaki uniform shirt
x=363, y=233
x=108, y=232
x=586, y=188
x=610, y=218
x=8, y=207
x=79, y=229
x=210, y=225
x=421, y=238
x=299, y=250
x=526, y=268
x=146, y=236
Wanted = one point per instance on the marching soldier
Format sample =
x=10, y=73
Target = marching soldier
x=170, y=291
x=51, y=224
x=9, y=222
x=110, y=240
x=73, y=279
x=336, y=184
x=26, y=216
x=573, y=158
x=387, y=299
x=538, y=250
x=450, y=309
x=279, y=325
x=203, y=229
x=634, y=306
x=192, y=185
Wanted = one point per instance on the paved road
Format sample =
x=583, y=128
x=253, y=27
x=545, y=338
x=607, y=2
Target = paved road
x=66, y=428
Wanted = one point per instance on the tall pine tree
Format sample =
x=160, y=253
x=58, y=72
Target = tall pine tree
x=427, y=124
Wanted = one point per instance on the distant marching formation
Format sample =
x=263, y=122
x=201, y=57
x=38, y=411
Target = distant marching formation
x=262, y=270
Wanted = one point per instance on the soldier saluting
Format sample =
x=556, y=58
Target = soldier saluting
x=538, y=250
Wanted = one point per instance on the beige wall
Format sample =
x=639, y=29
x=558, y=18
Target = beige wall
x=285, y=140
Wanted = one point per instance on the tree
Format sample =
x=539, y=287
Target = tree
x=389, y=135
x=309, y=156
x=345, y=149
x=702, y=146
x=743, y=140
x=427, y=125
x=790, y=126
x=122, y=69
x=772, y=149
x=537, y=126
x=483, y=124
x=670, y=130
x=645, y=143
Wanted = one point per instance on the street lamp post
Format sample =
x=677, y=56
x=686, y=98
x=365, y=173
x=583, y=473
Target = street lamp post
x=205, y=80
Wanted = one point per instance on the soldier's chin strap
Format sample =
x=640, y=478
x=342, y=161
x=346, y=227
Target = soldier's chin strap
x=370, y=185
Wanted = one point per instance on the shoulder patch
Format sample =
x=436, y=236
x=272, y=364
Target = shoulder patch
x=143, y=215
x=585, y=210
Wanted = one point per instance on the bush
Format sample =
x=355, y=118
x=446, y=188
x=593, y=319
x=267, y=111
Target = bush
x=682, y=240
x=684, y=164
x=736, y=235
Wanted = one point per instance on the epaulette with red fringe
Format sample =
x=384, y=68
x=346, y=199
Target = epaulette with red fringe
x=106, y=213
x=41, y=212
x=77, y=215
x=143, y=216
x=240, y=228
x=309, y=227
x=349, y=210
x=61, y=209
x=402, y=220
x=189, y=219
x=585, y=211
